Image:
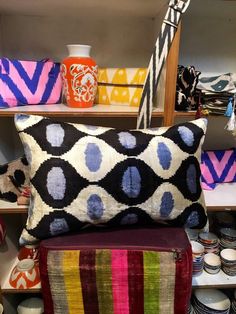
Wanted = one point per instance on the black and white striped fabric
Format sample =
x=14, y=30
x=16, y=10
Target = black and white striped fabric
x=162, y=46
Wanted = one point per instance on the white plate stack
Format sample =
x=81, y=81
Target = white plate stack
x=210, y=301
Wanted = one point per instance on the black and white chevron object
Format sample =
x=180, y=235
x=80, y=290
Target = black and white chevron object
x=158, y=58
x=85, y=175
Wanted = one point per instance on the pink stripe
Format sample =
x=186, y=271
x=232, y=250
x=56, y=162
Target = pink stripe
x=32, y=98
x=53, y=98
x=29, y=67
x=219, y=166
x=7, y=95
x=231, y=174
x=120, y=287
x=206, y=173
x=205, y=186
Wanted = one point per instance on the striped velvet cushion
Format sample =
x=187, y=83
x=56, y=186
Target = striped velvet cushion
x=131, y=271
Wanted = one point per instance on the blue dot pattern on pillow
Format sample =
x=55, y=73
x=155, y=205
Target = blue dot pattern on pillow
x=84, y=175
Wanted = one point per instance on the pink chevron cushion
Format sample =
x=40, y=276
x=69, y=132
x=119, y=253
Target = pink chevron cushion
x=29, y=82
x=218, y=166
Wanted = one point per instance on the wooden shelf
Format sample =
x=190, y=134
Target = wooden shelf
x=220, y=280
x=11, y=208
x=6, y=287
x=61, y=110
x=223, y=197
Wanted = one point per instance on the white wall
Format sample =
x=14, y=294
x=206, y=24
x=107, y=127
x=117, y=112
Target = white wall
x=208, y=36
x=117, y=41
x=209, y=44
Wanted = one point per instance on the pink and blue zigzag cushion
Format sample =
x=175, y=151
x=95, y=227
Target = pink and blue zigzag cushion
x=29, y=82
x=218, y=166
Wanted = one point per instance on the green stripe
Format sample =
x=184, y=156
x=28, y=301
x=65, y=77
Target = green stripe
x=104, y=281
x=151, y=264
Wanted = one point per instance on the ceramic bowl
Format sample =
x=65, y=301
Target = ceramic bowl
x=208, y=238
x=212, y=263
x=212, y=259
x=25, y=275
x=197, y=248
x=228, y=234
x=228, y=256
x=29, y=251
x=31, y=306
x=213, y=299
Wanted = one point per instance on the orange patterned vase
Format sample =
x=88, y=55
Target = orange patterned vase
x=79, y=74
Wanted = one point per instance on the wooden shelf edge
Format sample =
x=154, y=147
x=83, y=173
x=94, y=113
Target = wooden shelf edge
x=184, y=113
x=13, y=291
x=225, y=208
x=215, y=286
x=61, y=110
x=14, y=210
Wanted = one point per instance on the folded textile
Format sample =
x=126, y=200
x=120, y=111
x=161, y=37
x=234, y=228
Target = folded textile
x=220, y=83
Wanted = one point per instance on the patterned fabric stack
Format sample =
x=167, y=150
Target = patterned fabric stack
x=105, y=272
x=216, y=92
x=187, y=79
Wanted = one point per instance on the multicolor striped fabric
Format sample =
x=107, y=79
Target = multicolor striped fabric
x=29, y=82
x=218, y=166
x=108, y=281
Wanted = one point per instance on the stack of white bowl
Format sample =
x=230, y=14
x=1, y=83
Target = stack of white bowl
x=212, y=263
x=210, y=301
x=228, y=238
x=228, y=260
x=210, y=242
x=198, y=257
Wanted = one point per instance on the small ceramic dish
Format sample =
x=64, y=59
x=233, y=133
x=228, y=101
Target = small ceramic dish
x=208, y=238
x=212, y=263
x=31, y=306
x=197, y=248
x=25, y=275
x=228, y=256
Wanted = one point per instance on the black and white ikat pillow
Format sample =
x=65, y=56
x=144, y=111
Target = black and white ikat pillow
x=85, y=175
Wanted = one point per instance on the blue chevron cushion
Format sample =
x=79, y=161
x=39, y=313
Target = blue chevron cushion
x=29, y=82
x=85, y=175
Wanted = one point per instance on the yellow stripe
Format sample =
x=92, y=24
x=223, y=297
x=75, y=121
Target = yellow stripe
x=72, y=282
